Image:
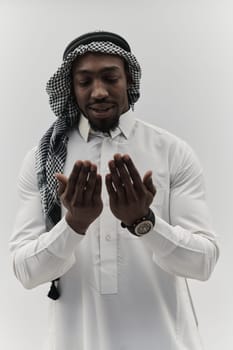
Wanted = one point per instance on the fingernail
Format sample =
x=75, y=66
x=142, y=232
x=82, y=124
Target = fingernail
x=126, y=157
x=112, y=164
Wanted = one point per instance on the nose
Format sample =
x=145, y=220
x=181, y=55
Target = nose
x=99, y=90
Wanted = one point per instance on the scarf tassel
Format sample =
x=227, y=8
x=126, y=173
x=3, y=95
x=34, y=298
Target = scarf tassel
x=54, y=292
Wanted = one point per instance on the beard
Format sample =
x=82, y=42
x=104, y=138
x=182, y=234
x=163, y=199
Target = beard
x=104, y=125
x=107, y=124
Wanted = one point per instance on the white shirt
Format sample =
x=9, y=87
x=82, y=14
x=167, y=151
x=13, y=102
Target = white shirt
x=119, y=291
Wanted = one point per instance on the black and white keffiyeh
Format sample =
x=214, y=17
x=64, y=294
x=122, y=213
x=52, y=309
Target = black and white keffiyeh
x=59, y=85
x=52, y=149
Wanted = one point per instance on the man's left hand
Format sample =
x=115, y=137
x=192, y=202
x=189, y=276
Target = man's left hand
x=130, y=196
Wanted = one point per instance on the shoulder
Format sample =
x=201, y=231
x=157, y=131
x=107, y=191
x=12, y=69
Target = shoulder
x=179, y=154
x=29, y=159
x=27, y=173
x=164, y=137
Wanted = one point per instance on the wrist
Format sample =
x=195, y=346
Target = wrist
x=78, y=227
x=141, y=226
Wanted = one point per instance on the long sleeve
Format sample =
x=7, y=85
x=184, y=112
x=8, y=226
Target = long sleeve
x=182, y=243
x=38, y=256
x=185, y=245
x=109, y=272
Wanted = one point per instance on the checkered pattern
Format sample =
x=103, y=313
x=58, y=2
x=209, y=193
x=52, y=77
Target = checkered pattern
x=50, y=158
x=52, y=150
x=51, y=153
x=59, y=85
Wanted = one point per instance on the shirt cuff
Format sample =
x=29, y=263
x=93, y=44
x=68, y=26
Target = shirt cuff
x=63, y=240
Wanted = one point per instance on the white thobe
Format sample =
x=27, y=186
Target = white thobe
x=119, y=291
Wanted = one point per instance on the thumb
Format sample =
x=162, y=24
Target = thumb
x=148, y=182
x=62, y=182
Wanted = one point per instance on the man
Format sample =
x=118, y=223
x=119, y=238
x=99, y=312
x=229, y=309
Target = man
x=112, y=211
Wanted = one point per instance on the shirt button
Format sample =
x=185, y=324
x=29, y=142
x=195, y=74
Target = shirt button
x=108, y=238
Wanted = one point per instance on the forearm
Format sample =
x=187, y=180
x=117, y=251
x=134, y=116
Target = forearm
x=37, y=260
x=182, y=252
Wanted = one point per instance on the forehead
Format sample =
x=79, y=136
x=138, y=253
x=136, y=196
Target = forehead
x=97, y=61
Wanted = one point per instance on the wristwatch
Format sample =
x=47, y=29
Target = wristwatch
x=143, y=225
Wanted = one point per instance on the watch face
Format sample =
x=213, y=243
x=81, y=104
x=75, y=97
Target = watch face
x=143, y=227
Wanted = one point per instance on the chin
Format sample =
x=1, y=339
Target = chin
x=107, y=124
x=104, y=125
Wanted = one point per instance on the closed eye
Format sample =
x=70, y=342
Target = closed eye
x=111, y=79
x=83, y=82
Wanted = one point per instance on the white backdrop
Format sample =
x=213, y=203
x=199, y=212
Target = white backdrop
x=185, y=48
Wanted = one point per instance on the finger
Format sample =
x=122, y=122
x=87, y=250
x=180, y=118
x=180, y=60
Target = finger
x=148, y=182
x=62, y=183
x=125, y=177
x=116, y=181
x=72, y=180
x=134, y=174
x=97, y=190
x=111, y=191
x=90, y=185
x=81, y=183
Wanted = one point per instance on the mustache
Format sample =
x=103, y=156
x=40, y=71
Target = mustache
x=99, y=102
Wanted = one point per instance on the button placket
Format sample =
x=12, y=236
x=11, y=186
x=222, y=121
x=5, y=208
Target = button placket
x=108, y=229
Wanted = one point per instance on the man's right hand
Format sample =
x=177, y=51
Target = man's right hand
x=80, y=193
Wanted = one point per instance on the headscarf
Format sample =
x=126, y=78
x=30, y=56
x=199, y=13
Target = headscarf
x=52, y=150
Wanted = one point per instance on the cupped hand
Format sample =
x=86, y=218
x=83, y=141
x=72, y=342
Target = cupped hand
x=130, y=196
x=80, y=193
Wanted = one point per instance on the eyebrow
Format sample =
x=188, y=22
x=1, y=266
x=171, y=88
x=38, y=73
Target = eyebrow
x=103, y=70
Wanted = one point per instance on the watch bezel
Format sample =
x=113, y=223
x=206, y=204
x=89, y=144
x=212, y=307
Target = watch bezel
x=138, y=228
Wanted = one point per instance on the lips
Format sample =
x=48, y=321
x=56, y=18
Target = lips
x=100, y=106
x=101, y=109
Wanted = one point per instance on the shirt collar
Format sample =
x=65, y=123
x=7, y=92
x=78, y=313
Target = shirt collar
x=126, y=123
